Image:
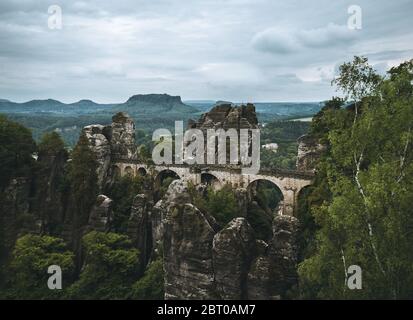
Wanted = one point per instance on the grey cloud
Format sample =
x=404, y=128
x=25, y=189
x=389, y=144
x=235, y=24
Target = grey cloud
x=206, y=49
x=278, y=41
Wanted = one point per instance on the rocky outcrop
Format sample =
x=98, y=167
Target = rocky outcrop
x=101, y=215
x=226, y=115
x=123, y=136
x=283, y=254
x=202, y=261
x=232, y=251
x=139, y=227
x=274, y=270
x=187, y=246
x=309, y=152
x=259, y=279
x=115, y=141
x=99, y=141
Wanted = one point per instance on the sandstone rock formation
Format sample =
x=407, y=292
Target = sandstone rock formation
x=309, y=151
x=187, y=245
x=99, y=140
x=233, y=249
x=226, y=115
x=115, y=141
x=139, y=227
x=202, y=261
x=123, y=136
x=101, y=216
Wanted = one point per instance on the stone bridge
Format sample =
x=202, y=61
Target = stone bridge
x=289, y=182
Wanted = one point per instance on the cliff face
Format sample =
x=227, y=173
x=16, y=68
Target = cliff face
x=14, y=208
x=309, y=152
x=226, y=116
x=34, y=202
x=115, y=141
x=203, y=262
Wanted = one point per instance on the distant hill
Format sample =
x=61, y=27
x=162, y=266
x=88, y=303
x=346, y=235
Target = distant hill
x=155, y=104
x=138, y=104
x=149, y=111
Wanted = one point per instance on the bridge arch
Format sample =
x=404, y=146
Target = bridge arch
x=211, y=180
x=142, y=172
x=271, y=193
x=162, y=181
x=265, y=200
x=129, y=171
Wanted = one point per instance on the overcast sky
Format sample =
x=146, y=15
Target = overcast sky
x=238, y=50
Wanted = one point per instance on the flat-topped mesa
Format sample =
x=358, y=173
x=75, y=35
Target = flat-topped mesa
x=155, y=98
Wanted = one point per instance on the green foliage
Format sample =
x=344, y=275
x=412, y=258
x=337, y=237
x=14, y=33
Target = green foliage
x=83, y=179
x=51, y=143
x=366, y=218
x=165, y=185
x=326, y=120
x=285, y=134
x=357, y=79
x=151, y=285
x=221, y=204
x=261, y=221
x=109, y=270
x=16, y=149
x=122, y=192
x=31, y=258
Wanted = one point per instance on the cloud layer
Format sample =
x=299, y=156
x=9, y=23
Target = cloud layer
x=240, y=50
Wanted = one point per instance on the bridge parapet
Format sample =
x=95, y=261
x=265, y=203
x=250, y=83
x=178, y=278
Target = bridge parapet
x=236, y=169
x=290, y=182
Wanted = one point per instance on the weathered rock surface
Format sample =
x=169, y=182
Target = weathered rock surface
x=139, y=227
x=99, y=140
x=283, y=254
x=101, y=215
x=115, y=141
x=259, y=279
x=187, y=246
x=309, y=152
x=226, y=116
x=233, y=250
x=187, y=254
x=123, y=136
x=203, y=261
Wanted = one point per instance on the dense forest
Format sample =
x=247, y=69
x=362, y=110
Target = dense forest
x=358, y=212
